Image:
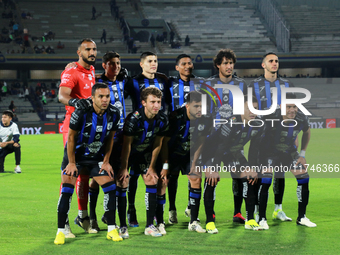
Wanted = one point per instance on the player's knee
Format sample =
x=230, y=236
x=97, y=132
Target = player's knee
x=195, y=182
x=94, y=184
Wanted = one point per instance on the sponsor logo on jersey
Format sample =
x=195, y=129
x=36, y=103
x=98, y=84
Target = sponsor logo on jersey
x=99, y=129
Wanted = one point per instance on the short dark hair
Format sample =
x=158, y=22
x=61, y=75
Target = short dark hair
x=194, y=96
x=290, y=96
x=224, y=53
x=180, y=57
x=268, y=53
x=98, y=85
x=85, y=40
x=9, y=113
x=110, y=55
x=150, y=91
x=145, y=54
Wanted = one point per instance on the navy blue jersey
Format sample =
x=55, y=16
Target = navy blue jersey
x=185, y=134
x=230, y=138
x=224, y=94
x=179, y=90
x=92, y=130
x=280, y=139
x=135, y=85
x=144, y=130
x=262, y=90
x=116, y=95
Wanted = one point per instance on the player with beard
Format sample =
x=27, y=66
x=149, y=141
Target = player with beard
x=76, y=85
x=224, y=62
x=262, y=90
x=148, y=78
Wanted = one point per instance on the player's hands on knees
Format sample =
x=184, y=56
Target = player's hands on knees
x=3, y=145
x=212, y=177
x=122, y=175
x=251, y=175
x=71, y=170
x=152, y=173
x=107, y=168
x=16, y=145
x=164, y=175
x=302, y=161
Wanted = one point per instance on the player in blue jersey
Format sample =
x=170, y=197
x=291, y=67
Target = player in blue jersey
x=89, y=146
x=142, y=140
x=181, y=148
x=224, y=147
x=279, y=154
x=262, y=90
x=224, y=62
x=148, y=78
x=179, y=87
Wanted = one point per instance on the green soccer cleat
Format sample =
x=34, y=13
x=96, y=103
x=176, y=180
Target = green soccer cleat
x=252, y=225
x=211, y=228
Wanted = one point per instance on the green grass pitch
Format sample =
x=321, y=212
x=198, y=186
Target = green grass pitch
x=28, y=211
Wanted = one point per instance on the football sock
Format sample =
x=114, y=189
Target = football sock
x=64, y=203
x=93, y=194
x=238, y=198
x=279, y=189
x=172, y=190
x=109, y=204
x=189, y=187
x=150, y=203
x=195, y=199
x=82, y=189
x=302, y=193
x=160, y=208
x=133, y=184
x=209, y=202
x=249, y=193
x=264, y=193
x=121, y=203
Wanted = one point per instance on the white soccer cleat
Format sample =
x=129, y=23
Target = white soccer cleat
x=152, y=231
x=173, y=217
x=123, y=232
x=161, y=229
x=195, y=226
x=280, y=215
x=263, y=224
x=17, y=170
x=305, y=222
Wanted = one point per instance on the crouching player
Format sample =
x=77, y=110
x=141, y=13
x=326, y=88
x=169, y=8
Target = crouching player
x=278, y=152
x=224, y=148
x=187, y=132
x=143, y=133
x=90, y=141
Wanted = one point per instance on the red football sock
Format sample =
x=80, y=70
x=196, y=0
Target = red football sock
x=82, y=188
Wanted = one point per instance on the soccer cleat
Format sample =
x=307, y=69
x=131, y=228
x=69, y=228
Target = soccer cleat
x=280, y=215
x=238, y=218
x=94, y=225
x=114, y=236
x=85, y=224
x=252, y=224
x=123, y=232
x=211, y=228
x=161, y=229
x=173, y=217
x=305, y=222
x=68, y=232
x=17, y=170
x=195, y=226
x=59, y=239
x=132, y=219
x=152, y=231
x=263, y=224
x=187, y=212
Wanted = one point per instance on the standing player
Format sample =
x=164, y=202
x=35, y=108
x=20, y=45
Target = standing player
x=179, y=88
x=224, y=147
x=148, y=78
x=187, y=132
x=262, y=90
x=76, y=85
x=89, y=145
x=224, y=62
x=9, y=140
x=143, y=134
x=278, y=151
